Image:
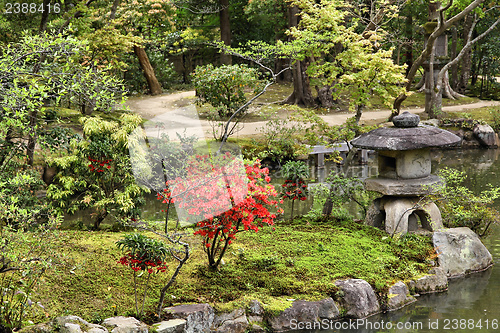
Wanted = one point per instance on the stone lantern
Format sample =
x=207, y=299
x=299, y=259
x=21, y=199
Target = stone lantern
x=404, y=164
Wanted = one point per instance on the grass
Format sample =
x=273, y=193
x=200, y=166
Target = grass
x=64, y=117
x=299, y=260
x=485, y=113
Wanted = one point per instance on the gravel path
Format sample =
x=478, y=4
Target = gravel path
x=177, y=113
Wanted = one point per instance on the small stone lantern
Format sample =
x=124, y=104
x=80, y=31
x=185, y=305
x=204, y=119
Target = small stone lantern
x=404, y=165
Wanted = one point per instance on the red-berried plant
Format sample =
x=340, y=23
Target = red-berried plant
x=142, y=255
x=295, y=187
x=223, y=196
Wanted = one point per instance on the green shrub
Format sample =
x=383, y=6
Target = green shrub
x=295, y=187
x=343, y=190
x=97, y=172
x=224, y=89
x=280, y=140
x=25, y=257
x=142, y=254
x=460, y=207
x=495, y=114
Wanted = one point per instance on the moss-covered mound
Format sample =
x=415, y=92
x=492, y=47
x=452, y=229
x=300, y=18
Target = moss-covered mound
x=299, y=260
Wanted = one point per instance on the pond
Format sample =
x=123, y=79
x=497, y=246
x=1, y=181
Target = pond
x=470, y=302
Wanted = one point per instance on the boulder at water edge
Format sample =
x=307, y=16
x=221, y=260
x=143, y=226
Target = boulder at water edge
x=358, y=298
x=435, y=281
x=170, y=326
x=199, y=317
x=305, y=312
x=398, y=296
x=233, y=322
x=122, y=324
x=74, y=324
x=486, y=136
x=460, y=251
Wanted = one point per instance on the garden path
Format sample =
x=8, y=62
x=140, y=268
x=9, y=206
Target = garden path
x=177, y=112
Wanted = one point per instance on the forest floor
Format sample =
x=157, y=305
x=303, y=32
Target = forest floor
x=177, y=111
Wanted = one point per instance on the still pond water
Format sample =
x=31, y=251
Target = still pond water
x=471, y=304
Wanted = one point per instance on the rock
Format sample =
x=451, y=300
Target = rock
x=431, y=122
x=255, y=319
x=236, y=321
x=48, y=174
x=399, y=296
x=257, y=329
x=74, y=324
x=461, y=252
x=170, y=326
x=486, y=136
x=238, y=325
x=359, y=298
x=255, y=308
x=434, y=282
x=304, y=312
x=38, y=328
x=199, y=317
x=122, y=324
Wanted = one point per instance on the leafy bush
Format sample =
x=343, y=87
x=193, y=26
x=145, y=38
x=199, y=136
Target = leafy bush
x=460, y=207
x=27, y=253
x=142, y=254
x=222, y=200
x=294, y=170
x=343, y=190
x=280, y=139
x=97, y=173
x=295, y=188
x=319, y=193
x=19, y=205
x=224, y=89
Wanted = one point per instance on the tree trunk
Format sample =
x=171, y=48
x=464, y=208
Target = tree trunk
x=113, y=10
x=147, y=69
x=286, y=76
x=32, y=136
x=325, y=97
x=466, y=59
x=409, y=45
x=45, y=16
x=301, y=94
x=5, y=149
x=476, y=66
x=225, y=31
x=453, y=53
x=431, y=97
x=328, y=206
x=100, y=217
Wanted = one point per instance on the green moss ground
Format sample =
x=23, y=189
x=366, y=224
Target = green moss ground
x=296, y=261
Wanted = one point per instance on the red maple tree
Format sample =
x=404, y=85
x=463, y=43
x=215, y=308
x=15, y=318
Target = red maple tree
x=223, y=196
